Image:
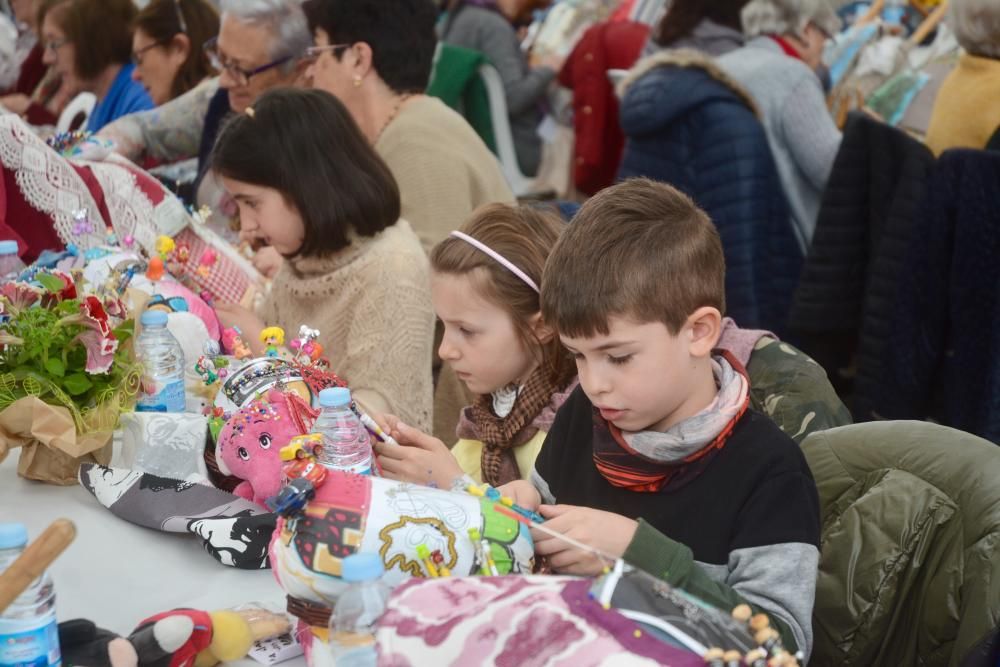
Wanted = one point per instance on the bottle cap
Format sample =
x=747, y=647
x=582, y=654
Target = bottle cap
x=8, y=247
x=361, y=567
x=13, y=535
x=334, y=397
x=152, y=318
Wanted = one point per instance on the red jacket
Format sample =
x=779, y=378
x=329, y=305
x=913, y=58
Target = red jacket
x=599, y=139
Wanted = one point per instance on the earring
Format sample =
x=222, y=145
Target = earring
x=357, y=82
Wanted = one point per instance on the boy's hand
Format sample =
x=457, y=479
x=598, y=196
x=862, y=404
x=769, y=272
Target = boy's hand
x=607, y=532
x=420, y=458
x=523, y=493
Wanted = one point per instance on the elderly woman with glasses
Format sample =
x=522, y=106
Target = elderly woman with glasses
x=778, y=67
x=258, y=48
x=89, y=44
x=167, y=46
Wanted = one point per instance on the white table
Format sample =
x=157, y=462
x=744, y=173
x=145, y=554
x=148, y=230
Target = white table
x=116, y=573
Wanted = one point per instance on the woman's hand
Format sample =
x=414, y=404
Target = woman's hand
x=234, y=315
x=16, y=103
x=604, y=531
x=419, y=458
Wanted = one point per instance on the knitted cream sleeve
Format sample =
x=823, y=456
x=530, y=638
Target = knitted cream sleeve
x=388, y=340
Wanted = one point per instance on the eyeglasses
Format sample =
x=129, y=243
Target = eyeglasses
x=314, y=52
x=137, y=55
x=55, y=44
x=240, y=75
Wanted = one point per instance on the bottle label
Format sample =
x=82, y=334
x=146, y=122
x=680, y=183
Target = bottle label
x=30, y=642
x=358, y=469
x=161, y=397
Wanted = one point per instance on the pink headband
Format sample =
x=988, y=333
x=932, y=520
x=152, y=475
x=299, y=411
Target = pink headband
x=498, y=257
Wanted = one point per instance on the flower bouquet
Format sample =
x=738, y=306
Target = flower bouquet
x=67, y=372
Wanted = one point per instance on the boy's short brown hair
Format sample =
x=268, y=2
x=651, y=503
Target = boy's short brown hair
x=641, y=250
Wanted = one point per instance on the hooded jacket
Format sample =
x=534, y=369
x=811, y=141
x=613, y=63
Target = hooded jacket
x=688, y=124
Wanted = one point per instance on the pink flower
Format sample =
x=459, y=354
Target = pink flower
x=19, y=296
x=101, y=344
x=69, y=286
x=115, y=308
x=59, y=286
x=100, y=351
x=93, y=310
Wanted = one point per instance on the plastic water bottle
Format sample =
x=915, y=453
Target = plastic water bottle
x=347, y=445
x=10, y=263
x=29, y=635
x=352, y=624
x=163, y=361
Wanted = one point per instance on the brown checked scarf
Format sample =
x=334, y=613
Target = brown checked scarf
x=649, y=461
x=500, y=435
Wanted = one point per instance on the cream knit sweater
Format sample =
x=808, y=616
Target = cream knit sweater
x=444, y=170
x=371, y=303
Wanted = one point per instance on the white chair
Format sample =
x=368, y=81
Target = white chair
x=519, y=183
x=83, y=103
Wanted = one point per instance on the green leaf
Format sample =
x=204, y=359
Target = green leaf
x=55, y=367
x=77, y=383
x=50, y=282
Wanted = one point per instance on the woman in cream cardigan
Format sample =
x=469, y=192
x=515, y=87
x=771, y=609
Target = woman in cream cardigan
x=308, y=184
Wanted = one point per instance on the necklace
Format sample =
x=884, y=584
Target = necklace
x=392, y=115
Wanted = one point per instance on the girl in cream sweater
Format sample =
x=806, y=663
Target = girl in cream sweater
x=310, y=185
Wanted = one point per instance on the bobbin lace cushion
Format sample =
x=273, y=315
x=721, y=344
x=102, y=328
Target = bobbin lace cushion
x=371, y=303
x=529, y=620
x=137, y=205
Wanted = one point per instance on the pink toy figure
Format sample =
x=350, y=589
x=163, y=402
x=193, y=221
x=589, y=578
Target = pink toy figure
x=307, y=344
x=232, y=341
x=250, y=443
x=208, y=259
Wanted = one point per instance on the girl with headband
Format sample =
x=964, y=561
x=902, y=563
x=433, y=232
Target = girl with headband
x=485, y=285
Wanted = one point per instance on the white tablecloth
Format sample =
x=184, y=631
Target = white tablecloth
x=116, y=573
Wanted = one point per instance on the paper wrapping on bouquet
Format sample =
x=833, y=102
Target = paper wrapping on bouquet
x=234, y=531
x=531, y=620
x=229, y=277
x=51, y=447
x=358, y=513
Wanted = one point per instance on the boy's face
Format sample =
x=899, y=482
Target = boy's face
x=640, y=376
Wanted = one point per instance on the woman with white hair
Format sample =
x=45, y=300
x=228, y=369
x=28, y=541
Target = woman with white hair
x=967, y=108
x=778, y=67
x=259, y=47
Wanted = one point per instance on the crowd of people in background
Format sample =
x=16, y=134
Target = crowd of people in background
x=382, y=218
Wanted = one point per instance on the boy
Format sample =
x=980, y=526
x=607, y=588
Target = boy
x=656, y=457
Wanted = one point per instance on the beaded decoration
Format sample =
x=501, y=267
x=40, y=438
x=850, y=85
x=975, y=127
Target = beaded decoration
x=82, y=224
x=262, y=411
